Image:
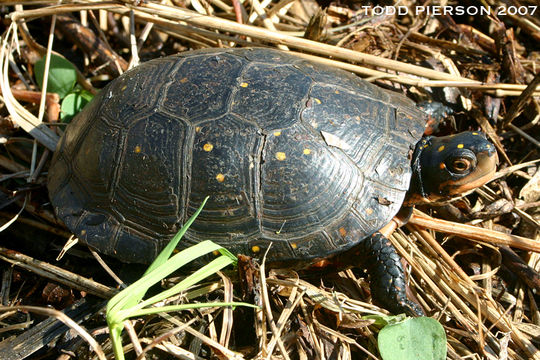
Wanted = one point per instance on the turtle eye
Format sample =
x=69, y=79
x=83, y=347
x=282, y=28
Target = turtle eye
x=460, y=165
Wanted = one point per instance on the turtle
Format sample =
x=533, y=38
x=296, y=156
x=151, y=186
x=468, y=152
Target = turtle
x=301, y=161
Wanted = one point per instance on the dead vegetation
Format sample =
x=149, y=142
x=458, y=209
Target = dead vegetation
x=479, y=280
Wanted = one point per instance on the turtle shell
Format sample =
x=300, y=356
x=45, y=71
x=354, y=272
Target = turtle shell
x=302, y=156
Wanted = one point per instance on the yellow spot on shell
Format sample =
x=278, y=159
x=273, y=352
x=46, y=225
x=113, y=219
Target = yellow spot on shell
x=475, y=133
x=342, y=231
x=197, y=128
x=294, y=245
x=137, y=149
x=369, y=211
x=317, y=100
x=183, y=80
x=336, y=92
x=215, y=252
x=460, y=146
x=244, y=84
x=277, y=133
x=281, y=156
x=307, y=151
x=83, y=232
x=124, y=87
x=255, y=249
x=441, y=148
x=208, y=147
x=426, y=146
x=488, y=146
x=442, y=166
x=220, y=177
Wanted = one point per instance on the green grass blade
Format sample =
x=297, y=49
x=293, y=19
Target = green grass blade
x=128, y=302
x=137, y=292
x=204, y=272
x=165, y=254
x=131, y=295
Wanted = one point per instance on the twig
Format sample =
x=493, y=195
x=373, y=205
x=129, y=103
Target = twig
x=473, y=232
x=56, y=273
x=524, y=134
x=66, y=320
x=521, y=101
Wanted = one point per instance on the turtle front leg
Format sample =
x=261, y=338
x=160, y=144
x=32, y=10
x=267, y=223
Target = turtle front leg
x=387, y=277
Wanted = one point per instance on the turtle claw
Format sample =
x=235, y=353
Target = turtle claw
x=409, y=307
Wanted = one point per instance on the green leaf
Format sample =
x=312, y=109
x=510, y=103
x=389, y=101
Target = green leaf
x=73, y=104
x=416, y=338
x=62, y=75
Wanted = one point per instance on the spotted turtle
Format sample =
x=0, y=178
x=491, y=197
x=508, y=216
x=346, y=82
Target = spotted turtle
x=308, y=159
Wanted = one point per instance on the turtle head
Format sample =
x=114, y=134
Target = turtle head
x=448, y=167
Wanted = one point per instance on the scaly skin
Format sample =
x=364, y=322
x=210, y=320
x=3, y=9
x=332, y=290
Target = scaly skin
x=387, y=281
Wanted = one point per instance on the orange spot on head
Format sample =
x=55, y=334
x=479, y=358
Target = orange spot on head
x=442, y=166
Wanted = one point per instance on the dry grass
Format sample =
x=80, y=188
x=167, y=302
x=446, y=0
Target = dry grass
x=483, y=62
